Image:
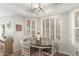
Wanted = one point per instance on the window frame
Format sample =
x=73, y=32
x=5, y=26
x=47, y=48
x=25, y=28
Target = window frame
x=74, y=28
x=55, y=18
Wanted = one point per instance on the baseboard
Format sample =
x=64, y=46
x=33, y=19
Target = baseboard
x=65, y=53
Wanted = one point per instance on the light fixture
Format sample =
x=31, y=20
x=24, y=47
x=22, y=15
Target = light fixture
x=36, y=8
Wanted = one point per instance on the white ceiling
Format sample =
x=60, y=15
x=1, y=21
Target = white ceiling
x=7, y=9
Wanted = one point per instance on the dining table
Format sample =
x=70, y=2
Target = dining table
x=40, y=47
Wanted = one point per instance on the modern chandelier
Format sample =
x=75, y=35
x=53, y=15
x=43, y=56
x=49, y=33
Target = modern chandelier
x=37, y=8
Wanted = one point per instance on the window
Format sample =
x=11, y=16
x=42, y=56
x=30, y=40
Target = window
x=75, y=26
x=46, y=28
x=30, y=27
x=51, y=27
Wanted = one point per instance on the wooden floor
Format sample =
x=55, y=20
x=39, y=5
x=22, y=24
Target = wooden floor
x=18, y=53
x=60, y=54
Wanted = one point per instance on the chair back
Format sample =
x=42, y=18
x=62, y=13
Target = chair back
x=8, y=45
x=25, y=50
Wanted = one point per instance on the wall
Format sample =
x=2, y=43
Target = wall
x=66, y=42
x=17, y=35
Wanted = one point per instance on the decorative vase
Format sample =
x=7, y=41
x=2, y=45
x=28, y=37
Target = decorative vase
x=38, y=41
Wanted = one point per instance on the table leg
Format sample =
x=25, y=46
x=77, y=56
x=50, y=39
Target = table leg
x=39, y=52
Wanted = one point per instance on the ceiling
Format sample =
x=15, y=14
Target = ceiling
x=24, y=9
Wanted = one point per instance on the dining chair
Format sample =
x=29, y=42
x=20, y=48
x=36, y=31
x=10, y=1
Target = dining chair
x=25, y=48
x=55, y=48
x=6, y=46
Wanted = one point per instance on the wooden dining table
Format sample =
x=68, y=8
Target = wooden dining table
x=40, y=47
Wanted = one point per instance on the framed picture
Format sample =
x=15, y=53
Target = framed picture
x=18, y=27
